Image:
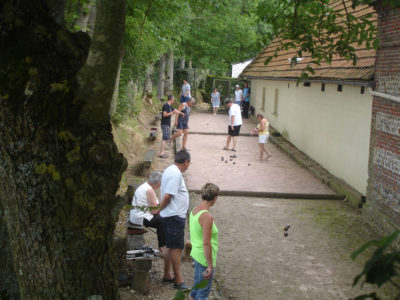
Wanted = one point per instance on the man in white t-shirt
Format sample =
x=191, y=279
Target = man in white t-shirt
x=238, y=95
x=235, y=122
x=173, y=209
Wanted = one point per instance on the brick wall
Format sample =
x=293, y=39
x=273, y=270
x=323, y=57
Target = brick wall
x=383, y=194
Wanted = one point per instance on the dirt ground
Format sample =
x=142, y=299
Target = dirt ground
x=256, y=261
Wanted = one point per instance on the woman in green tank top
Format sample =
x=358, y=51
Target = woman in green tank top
x=204, y=239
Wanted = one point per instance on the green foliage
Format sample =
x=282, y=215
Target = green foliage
x=152, y=27
x=382, y=267
x=181, y=295
x=76, y=9
x=222, y=32
x=141, y=208
x=318, y=28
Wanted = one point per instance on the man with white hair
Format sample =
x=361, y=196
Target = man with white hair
x=238, y=95
x=145, y=197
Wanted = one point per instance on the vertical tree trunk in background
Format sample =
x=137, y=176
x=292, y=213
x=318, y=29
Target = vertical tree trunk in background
x=190, y=63
x=182, y=63
x=148, y=84
x=114, y=102
x=169, y=79
x=131, y=92
x=161, y=77
x=59, y=166
x=92, y=19
x=84, y=15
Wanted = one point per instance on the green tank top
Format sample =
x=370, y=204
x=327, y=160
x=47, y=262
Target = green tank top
x=196, y=238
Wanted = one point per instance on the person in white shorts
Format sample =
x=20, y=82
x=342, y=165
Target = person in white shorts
x=263, y=135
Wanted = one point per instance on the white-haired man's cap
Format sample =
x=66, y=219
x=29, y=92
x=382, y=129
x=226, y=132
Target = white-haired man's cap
x=237, y=85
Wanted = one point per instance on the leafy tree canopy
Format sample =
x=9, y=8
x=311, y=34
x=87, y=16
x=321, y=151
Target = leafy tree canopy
x=222, y=32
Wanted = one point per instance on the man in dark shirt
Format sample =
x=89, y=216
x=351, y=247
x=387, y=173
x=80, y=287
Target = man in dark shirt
x=166, y=113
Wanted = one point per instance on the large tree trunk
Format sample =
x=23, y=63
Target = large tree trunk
x=59, y=166
x=169, y=79
x=148, y=84
x=190, y=63
x=8, y=279
x=161, y=77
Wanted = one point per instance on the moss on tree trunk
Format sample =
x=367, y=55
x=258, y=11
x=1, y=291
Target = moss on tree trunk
x=59, y=167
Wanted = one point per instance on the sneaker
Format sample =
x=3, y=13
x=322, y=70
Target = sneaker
x=181, y=286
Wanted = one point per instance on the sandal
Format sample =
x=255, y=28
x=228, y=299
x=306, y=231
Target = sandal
x=225, y=148
x=167, y=280
x=232, y=150
x=163, y=156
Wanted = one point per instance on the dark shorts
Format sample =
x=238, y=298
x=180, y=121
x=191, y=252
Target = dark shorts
x=174, y=228
x=184, y=99
x=183, y=123
x=166, y=131
x=235, y=131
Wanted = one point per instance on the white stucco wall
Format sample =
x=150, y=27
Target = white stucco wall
x=331, y=127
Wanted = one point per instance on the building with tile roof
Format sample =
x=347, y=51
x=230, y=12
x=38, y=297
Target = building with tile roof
x=328, y=117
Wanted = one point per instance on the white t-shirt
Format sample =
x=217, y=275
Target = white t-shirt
x=186, y=88
x=235, y=111
x=172, y=183
x=140, y=199
x=238, y=95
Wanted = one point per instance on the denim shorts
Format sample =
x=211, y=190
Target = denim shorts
x=184, y=99
x=200, y=294
x=174, y=228
x=183, y=123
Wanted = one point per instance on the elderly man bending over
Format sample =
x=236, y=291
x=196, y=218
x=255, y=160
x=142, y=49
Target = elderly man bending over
x=144, y=197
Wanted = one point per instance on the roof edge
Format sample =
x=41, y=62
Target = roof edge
x=366, y=83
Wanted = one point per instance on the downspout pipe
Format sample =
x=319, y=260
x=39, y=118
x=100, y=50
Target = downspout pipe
x=384, y=96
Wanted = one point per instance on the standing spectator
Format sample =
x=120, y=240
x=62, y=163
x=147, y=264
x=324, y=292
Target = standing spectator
x=204, y=238
x=185, y=92
x=182, y=122
x=166, y=113
x=246, y=100
x=145, y=196
x=238, y=95
x=263, y=135
x=174, y=206
x=235, y=122
x=215, y=100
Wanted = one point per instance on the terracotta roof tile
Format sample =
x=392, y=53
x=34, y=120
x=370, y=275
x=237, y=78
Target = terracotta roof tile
x=339, y=69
